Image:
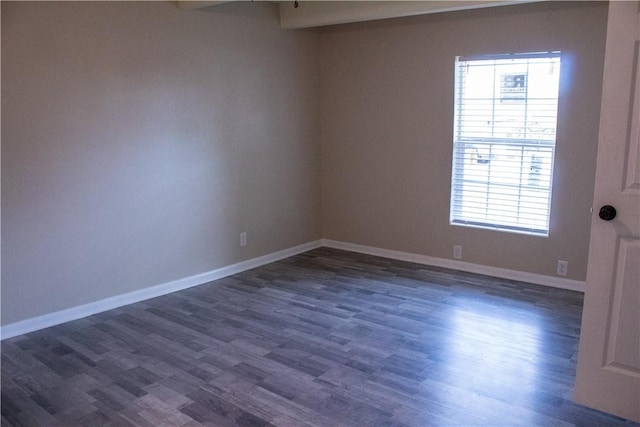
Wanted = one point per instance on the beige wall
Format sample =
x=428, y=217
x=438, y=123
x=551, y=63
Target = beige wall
x=139, y=140
x=386, y=131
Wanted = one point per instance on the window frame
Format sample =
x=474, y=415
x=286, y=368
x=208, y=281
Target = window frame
x=462, y=142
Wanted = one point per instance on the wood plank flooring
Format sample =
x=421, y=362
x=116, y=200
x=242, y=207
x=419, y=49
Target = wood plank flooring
x=325, y=338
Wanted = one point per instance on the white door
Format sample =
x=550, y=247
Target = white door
x=608, y=376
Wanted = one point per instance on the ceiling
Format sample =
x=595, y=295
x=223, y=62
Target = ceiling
x=309, y=13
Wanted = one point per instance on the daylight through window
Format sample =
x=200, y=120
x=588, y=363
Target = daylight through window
x=504, y=141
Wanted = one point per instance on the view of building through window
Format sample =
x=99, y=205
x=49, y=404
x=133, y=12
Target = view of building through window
x=504, y=141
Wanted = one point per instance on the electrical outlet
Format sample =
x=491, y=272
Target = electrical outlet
x=562, y=268
x=243, y=238
x=457, y=251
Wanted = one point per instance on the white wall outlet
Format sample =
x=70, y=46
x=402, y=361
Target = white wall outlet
x=457, y=251
x=562, y=268
x=243, y=238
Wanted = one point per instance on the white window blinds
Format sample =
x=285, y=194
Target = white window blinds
x=504, y=140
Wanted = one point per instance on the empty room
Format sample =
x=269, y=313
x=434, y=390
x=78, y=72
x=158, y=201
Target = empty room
x=319, y=213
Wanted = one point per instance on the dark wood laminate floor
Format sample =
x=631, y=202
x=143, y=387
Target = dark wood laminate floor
x=326, y=338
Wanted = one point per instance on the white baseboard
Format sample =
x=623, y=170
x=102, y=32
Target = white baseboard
x=538, y=279
x=78, y=312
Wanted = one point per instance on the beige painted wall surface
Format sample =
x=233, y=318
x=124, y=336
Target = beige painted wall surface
x=140, y=139
x=386, y=131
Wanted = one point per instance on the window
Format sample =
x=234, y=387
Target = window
x=504, y=141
